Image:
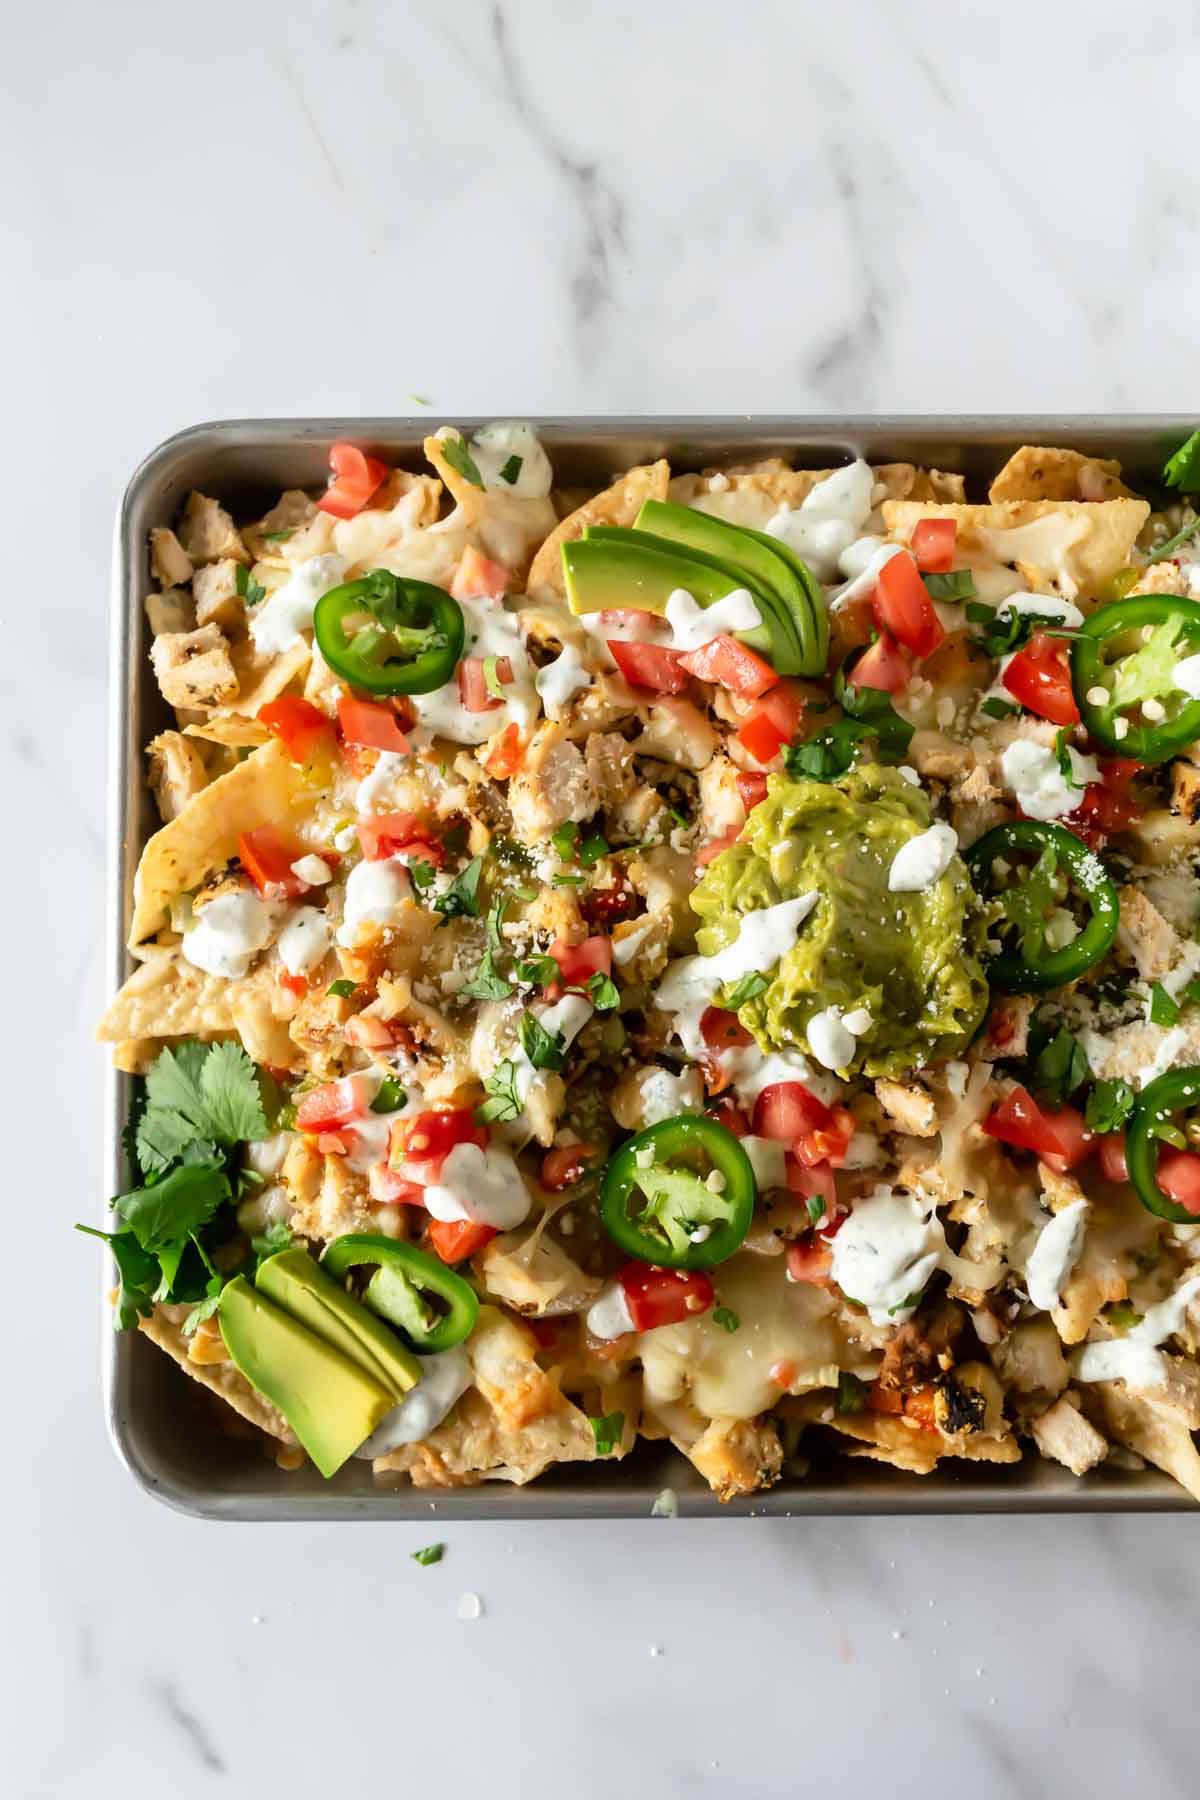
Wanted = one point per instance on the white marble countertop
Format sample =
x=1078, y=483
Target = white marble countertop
x=262, y=208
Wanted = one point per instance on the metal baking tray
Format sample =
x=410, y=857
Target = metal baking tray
x=162, y=1424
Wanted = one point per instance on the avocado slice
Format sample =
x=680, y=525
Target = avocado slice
x=618, y=566
x=305, y=1290
x=762, y=559
x=331, y=1403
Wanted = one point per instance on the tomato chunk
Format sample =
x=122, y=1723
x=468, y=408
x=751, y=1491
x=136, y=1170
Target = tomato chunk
x=478, y=578
x=787, y=1110
x=456, y=1239
x=827, y=1143
x=579, y=962
x=650, y=666
x=723, y=1030
x=809, y=1260
x=814, y=1183
x=1112, y=1157
x=301, y=728
x=335, y=1104
x=730, y=665
x=268, y=861
x=883, y=665
x=1178, y=1175
x=388, y=834
x=430, y=1136
x=751, y=787
x=1050, y=1132
x=355, y=478
x=773, y=723
x=664, y=1296
x=506, y=752
x=707, y=852
x=390, y=1189
x=566, y=1164
x=371, y=724
x=1040, y=678
x=933, y=544
x=1108, y=804
x=902, y=606
x=472, y=683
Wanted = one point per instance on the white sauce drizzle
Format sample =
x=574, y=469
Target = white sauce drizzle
x=445, y=1377
x=828, y=520
x=1135, y=1358
x=276, y=623
x=484, y=1186
x=922, y=861
x=230, y=930
x=1055, y=1255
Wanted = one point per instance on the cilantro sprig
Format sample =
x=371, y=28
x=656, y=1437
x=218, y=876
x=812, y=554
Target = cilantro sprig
x=454, y=449
x=867, y=713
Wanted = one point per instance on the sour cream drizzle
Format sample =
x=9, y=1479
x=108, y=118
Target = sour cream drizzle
x=276, y=623
x=1135, y=1358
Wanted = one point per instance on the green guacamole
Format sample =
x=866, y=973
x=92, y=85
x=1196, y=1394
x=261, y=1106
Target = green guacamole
x=911, y=959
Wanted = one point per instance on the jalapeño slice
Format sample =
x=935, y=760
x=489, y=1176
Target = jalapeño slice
x=385, y=634
x=429, y=1303
x=656, y=1201
x=1027, y=963
x=1129, y=650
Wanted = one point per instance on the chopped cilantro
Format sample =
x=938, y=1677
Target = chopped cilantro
x=1059, y=1065
x=815, y=1207
x=389, y=1097
x=1109, y=1105
x=432, y=1553
x=995, y=708
x=277, y=537
x=568, y=881
x=592, y=849
x=869, y=713
x=503, y=1103
x=1123, y=1314
x=1062, y=750
x=1163, y=1010
x=1004, y=628
x=275, y=1238
x=487, y=983
x=1183, y=469
x=602, y=992
x=748, y=988
x=956, y=584
x=538, y=971
x=511, y=470
x=851, y=1393
x=608, y=1432
x=340, y=989
x=251, y=591
x=495, y=922
x=545, y=1049
x=564, y=839
x=461, y=899
x=726, y=1318
x=455, y=451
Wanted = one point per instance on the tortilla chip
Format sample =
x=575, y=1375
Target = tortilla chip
x=266, y=788
x=1157, y=1423
x=1034, y=473
x=222, y=1379
x=755, y=494
x=508, y=526
x=883, y=1438
x=166, y=997
x=617, y=505
x=1074, y=546
x=261, y=678
x=231, y=730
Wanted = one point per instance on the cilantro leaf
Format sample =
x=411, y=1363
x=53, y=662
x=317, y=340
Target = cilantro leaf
x=1059, y=1067
x=455, y=451
x=341, y=989
x=461, y=899
x=511, y=470
x=250, y=590
x=1109, y=1105
x=496, y=920
x=421, y=873
x=1005, y=629
x=955, y=584
x=538, y=971
x=503, y=1103
x=608, y=1432
x=995, y=708
x=204, y=1309
x=277, y=537
x=1163, y=1010
x=592, y=849
x=274, y=1239
x=432, y=1553
x=602, y=992
x=564, y=839
x=164, y=1214
x=1066, y=767
x=748, y=988
x=230, y=1091
x=1183, y=469
x=139, y=1276
x=726, y=1318
x=487, y=983
x=851, y=1393
x=205, y=1092
x=544, y=1049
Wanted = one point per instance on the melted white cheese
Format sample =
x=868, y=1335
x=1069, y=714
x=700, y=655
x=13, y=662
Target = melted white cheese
x=445, y=1377
x=372, y=794
x=1055, y=1255
x=692, y=625
x=276, y=623
x=922, y=861
x=374, y=891
x=828, y=520
x=230, y=930
x=665, y=1095
x=768, y=1159
x=492, y=448
x=484, y=1186
x=312, y=869
x=304, y=941
x=1042, y=790
x=1186, y=675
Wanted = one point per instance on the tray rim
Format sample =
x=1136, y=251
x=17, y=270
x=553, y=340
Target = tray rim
x=934, y=1495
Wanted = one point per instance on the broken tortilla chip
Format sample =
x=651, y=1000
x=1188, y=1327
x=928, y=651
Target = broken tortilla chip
x=619, y=504
x=1074, y=546
x=1035, y=473
x=222, y=1379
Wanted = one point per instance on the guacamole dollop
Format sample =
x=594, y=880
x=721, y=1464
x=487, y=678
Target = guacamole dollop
x=911, y=959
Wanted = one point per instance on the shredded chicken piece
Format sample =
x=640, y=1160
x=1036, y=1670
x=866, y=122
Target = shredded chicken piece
x=217, y=599
x=194, y=668
x=1064, y=1434
x=551, y=787
x=207, y=533
x=176, y=772
x=911, y=1107
x=169, y=560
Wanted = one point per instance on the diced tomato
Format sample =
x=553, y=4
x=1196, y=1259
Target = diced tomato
x=335, y=1143
x=664, y=1296
x=388, y=834
x=728, y=1113
x=390, y=1189
x=933, y=544
x=919, y=1405
x=368, y=722
x=773, y=723
x=787, y=1110
x=1002, y=1027
x=883, y=665
x=649, y=666
x=355, y=478
x=456, y=1239
x=505, y=754
x=809, y=1260
x=1178, y=1176
x=1058, y=1133
x=335, y=1104
x=295, y=984
x=783, y=1373
x=714, y=847
x=1112, y=1157
x=472, y=683
x=369, y=1032
x=902, y=606
x=604, y=906
x=885, y=1400
x=302, y=729
x=752, y=788
x=827, y=1143
x=268, y=861
x=814, y=1183
x=579, y=962
x=566, y=1164
x=478, y=578
x=430, y=1136
x=1108, y=805
x=730, y=665
x=723, y=1030
x=1040, y=678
